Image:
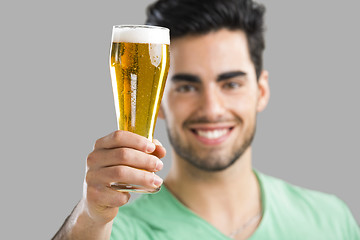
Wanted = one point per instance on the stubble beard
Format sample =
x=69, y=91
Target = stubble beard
x=211, y=160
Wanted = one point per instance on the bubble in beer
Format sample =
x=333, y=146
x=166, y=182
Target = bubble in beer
x=139, y=64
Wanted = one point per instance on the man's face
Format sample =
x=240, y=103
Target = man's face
x=211, y=98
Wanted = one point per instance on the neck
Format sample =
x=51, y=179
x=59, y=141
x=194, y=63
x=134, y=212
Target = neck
x=226, y=199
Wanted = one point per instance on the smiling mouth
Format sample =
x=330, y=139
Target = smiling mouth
x=212, y=135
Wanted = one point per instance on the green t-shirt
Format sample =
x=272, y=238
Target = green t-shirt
x=289, y=212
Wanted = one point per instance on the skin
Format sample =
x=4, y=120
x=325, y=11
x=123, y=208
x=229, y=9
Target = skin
x=116, y=157
x=231, y=105
x=217, y=183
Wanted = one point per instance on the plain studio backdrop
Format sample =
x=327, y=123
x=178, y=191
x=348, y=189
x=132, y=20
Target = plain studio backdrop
x=56, y=100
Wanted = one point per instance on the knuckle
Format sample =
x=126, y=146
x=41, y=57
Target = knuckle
x=119, y=199
x=90, y=159
x=119, y=172
x=148, y=178
x=118, y=134
x=123, y=198
x=122, y=154
x=88, y=178
x=154, y=162
x=143, y=145
x=97, y=143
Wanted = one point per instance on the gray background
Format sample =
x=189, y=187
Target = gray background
x=56, y=100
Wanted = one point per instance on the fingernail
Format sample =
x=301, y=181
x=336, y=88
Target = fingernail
x=159, y=165
x=157, y=142
x=157, y=181
x=150, y=147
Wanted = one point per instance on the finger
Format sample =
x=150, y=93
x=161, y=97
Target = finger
x=103, y=198
x=157, y=142
x=123, y=156
x=125, y=139
x=123, y=174
x=160, y=151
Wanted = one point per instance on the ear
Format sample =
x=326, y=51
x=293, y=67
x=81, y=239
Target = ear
x=161, y=114
x=264, y=91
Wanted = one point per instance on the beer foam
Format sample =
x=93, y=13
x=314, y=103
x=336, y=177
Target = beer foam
x=141, y=34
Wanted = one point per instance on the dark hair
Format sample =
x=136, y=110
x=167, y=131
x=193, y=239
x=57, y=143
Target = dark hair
x=195, y=17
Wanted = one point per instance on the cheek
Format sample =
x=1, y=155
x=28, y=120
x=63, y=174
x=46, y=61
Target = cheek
x=243, y=102
x=176, y=109
x=243, y=106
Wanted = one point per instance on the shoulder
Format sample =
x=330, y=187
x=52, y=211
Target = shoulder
x=289, y=196
x=304, y=207
x=289, y=193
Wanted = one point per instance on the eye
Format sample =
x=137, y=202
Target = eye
x=231, y=85
x=184, y=88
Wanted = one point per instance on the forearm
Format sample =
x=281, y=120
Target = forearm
x=80, y=226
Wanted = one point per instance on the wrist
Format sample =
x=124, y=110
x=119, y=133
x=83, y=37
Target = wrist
x=83, y=225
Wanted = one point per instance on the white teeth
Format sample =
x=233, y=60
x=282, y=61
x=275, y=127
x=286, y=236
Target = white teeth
x=213, y=133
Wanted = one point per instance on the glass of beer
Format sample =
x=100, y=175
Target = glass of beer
x=139, y=63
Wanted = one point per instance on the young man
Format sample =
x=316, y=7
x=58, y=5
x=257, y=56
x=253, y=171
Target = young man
x=216, y=86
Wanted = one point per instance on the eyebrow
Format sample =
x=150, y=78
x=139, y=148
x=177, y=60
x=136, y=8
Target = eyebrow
x=228, y=75
x=185, y=77
x=195, y=79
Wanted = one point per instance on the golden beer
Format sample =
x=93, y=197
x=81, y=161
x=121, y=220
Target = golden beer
x=139, y=63
x=138, y=72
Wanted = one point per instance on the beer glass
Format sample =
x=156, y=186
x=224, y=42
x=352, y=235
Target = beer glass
x=139, y=63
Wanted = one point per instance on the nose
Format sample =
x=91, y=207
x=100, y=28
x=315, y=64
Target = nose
x=212, y=104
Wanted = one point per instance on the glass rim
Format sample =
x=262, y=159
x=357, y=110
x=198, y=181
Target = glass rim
x=139, y=26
